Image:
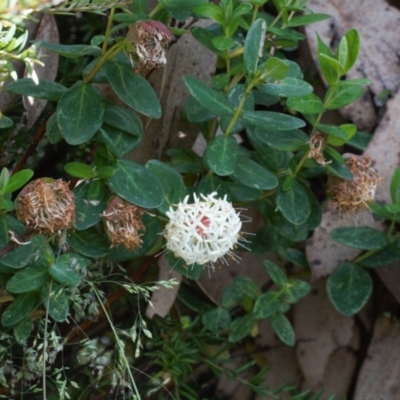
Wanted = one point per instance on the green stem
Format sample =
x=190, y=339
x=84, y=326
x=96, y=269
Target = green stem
x=108, y=30
x=278, y=17
x=238, y=109
x=236, y=52
x=255, y=12
x=235, y=80
x=156, y=9
x=111, y=52
x=302, y=161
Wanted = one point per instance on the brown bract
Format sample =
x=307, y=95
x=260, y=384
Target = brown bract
x=123, y=222
x=47, y=206
x=355, y=194
x=151, y=39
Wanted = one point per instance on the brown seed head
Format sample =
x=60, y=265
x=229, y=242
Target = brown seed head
x=123, y=222
x=355, y=194
x=46, y=206
x=317, y=144
x=151, y=39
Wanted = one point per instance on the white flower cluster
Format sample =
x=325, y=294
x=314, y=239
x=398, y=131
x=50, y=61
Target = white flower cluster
x=204, y=231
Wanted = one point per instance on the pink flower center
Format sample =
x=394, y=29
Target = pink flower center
x=205, y=223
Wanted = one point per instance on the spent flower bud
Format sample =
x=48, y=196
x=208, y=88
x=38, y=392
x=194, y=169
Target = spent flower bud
x=122, y=223
x=46, y=205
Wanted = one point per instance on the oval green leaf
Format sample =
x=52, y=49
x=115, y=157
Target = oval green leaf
x=360, y=238
x=136, y=184
x=254, y=45
x=28, y=279
x=19, y=308
x=283, y=328
x=79, y=113
x=221, y=155
x=132, y=89
x=272, y=120
x=253, y=175
x=349, y=288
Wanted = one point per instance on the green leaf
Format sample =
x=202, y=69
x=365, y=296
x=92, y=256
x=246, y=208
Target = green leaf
x=174, y=188
x=28, y=279
x=72, y=51
x=79, y=113
x=193, y=272
x=211, y=183
x=349, y=288
x=90, y=243
x=350, y=130
x=253, y=175
x=254, y=44
x=195, y=112
x=395, y=186
x=4, y=178
x=247, y=286
x=275, y=68
x=342, y=96
x=53, y=132
x=5, y=122
x=241, y=327
x=18, y=258
x=386, y=256
x=235, y=96
x=205, y=37
x=181, y=4
x=63, y=271
x=136, y=184
x=242, y=193
x=353, y=44
x=221, y=155
x=333, y=130
x=19, y=309
x=331, y=69
x=290, y=140
x=209, y=98
x=18, y=180
x=132, y=89
x=306, y=19
x=276, y=273
x=123, y=119
x=79, y=170
x=338, y=169
x=46, y=89
x=223, y=42
x=89, y=208
x=231, y=297
x=294, y=204
x=342, y=52
x=283, y=328
x=56, y=302
x=268, y=304
x=295, y=289
x=360, y=238
x=287, y=87
x=216, y=320
x=210, y=10
x=310, y=104
x=272, y=120
x=119, y=142
x=360, y=140
x=23, y=330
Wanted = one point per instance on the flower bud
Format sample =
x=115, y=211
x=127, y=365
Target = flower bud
x=357, y=193
x=204, y=231
x=46, y=205
x=151, y=39
x=122, y=223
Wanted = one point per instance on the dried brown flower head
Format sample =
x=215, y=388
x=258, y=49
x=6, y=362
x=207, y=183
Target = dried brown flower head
x=355, y=194
x=123, y=222
x=317, y=144
x=151, y=39
x=46, y=206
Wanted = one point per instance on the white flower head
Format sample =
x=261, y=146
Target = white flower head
x=204, y=231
